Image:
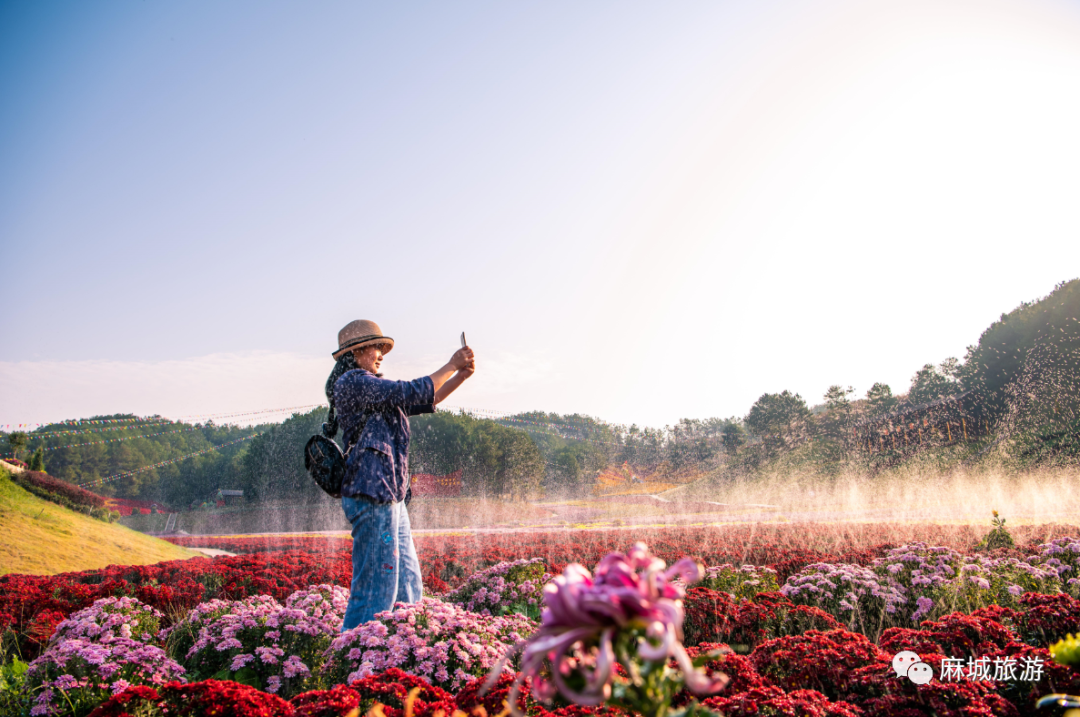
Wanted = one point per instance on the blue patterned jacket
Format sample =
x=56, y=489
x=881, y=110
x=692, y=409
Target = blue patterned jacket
x=374, y=413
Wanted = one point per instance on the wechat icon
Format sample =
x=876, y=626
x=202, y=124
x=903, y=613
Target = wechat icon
x=908, y=664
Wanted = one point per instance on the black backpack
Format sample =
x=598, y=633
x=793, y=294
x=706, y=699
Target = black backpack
x=323, y=457
x=325, y=463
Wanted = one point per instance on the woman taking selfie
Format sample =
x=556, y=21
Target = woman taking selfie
x=374, y=415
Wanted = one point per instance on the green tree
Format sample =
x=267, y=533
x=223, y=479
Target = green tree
x=836, y=423
x=880, y=400
x=778, y=418
x=17, y=440
x=122, y=442
x=1018, y=342
x=272, y=467
x=521, y=469
x=694, y=443
x=37, y=460
x=495, y=460
x=567, y=472
x=931, y=383
x=733, y=436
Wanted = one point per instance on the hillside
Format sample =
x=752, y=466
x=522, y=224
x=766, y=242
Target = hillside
x=42, y=538
x=142, y=451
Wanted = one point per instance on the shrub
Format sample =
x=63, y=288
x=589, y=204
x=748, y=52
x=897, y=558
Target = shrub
x=73, y=493
x=108, y=618
x=258, y=642
x=37, y=460
x=879, y=692
x=741, y=672
x=817, y=660
x=391, y=689
x=741, y=583
x=439, y=641
x=76, y=675
x=713, y=616
x=1024, y=693
x=998, y=537
x=102, y=514
x=494, y=701
x=41, y=628
x=133, y=698
x=35, y=604
x=1062, y=556
x=774, y=702
x=210, y=697
x=916, y=582
x=960, y=635
x=1043, y=619
x=338, y=701
x=503, y=588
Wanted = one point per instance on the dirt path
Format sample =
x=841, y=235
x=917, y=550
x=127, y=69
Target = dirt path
x=211, y=552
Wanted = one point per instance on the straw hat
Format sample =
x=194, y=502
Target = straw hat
x=360, y=333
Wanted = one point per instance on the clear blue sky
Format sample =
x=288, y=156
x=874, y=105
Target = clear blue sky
x=639, y=211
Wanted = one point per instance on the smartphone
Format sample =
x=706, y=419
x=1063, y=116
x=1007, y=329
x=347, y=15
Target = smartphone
x=463, y=344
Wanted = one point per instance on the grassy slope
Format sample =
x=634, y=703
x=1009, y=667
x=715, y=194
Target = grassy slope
x=42, y=538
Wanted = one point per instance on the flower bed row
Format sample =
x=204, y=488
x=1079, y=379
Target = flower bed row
x=62, y=493
x=760, y=685
x=258, y=655
x=820, y=643
x=30, y=606
x=747, y=541
x=282, y=648
x=44, y=482
x=786, y=548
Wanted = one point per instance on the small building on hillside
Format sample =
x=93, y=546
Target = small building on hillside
x=219, y=499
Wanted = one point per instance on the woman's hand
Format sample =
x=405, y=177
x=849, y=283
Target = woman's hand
x=461, y=365
x=463, y=360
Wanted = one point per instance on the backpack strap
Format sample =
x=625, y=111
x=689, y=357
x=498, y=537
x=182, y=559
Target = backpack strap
x=345, y=363
x=365, y=415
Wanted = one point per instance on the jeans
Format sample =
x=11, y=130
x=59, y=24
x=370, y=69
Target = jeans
x=385, y=567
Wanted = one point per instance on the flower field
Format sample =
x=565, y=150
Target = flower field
x=799, y=619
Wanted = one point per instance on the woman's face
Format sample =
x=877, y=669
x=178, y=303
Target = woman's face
x=369, y=358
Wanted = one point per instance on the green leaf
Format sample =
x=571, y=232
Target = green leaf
x=704, y=657
x=694, y=709
x=248, y=676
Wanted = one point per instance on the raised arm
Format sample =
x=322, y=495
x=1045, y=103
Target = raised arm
x=454, y=381
x=449, y=377
x=356, y=390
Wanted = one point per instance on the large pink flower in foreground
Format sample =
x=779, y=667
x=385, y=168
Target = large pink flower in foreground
x=583, y=614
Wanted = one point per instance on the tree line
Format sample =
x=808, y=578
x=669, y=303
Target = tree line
x=1023, y=374
x=1020, y=379
x=125, y=444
